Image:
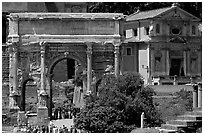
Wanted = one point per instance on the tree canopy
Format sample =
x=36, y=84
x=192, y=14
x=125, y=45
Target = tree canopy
x=128, y=8
x=118, y=106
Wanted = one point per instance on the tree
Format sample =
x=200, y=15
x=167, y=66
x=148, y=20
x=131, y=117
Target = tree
x=128, y=8
x=119, y=105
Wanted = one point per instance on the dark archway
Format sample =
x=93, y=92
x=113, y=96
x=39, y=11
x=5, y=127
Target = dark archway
x=23, y=95
x=50, y=76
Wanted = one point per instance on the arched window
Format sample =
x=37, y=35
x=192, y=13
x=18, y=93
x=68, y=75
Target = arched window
x=157, y=28
x=193, y=30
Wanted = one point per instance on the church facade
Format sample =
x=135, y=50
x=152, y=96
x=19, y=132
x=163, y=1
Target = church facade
x=164, y=46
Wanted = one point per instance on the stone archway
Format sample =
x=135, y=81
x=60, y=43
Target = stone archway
x=82, y=66
x=23, y=92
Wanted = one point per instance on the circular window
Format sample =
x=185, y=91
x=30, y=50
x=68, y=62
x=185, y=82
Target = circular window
x=175, y=31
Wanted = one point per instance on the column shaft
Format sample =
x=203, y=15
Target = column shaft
x=89, y=66
x=13, y=77
x=185, y=62
x=195, y=96
x=167, y=62
x=116, y=52
x=163, y=62
x=42, y=75
x=199, y=95
x=199, y=62
x=188, y=64
x=152, y=62
x=15, y=72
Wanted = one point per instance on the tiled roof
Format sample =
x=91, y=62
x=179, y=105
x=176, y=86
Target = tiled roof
x=147, y=14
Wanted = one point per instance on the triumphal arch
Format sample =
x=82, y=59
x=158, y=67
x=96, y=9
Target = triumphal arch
x=38, y=41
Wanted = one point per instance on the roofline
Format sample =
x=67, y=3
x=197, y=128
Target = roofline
x=43, y=15
x=145, y=11
x=170, y=8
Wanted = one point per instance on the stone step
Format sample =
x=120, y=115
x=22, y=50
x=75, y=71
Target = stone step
x=189, y=117
x=167, y=131
x=172, y=127
x=197, y=109
x=195, y=112
x=189, y=123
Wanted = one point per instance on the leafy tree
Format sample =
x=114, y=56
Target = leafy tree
x=119, y=105
x=128, y=8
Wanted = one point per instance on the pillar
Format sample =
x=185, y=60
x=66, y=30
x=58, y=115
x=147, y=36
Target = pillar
x=163, y=62
x=199, y=62
x=152, y=61
x=185, y=62
x=195, y=95
x=89, y=66
x=116, y=54
x=199, y=95
x=167, y=62
x=42, y=111
x=188, y=63
x=13, y=78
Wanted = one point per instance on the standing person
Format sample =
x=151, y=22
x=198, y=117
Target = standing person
x=56, y=114
x=69, y=114
x=63, y=114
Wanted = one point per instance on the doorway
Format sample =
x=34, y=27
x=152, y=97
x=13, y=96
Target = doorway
x=175, y=67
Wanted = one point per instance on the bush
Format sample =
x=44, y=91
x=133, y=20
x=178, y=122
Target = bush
x=119, y=105
x=171, y=107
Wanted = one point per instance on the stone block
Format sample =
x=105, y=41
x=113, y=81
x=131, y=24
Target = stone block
x=22, y=119
x=42, y=116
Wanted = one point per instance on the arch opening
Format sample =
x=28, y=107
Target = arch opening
x=62, y=73
x=29, y=97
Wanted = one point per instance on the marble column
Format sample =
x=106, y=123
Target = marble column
x=199, y=95
x=42, y=73
x=195, y=95
x=152, y=61
x=13, y=77
x=117, y=52
x=89, y=66
x=167, y=62
x=199, y=62
x=163, y=62
x=185, y=61
x=188, y=63
x=42, y=111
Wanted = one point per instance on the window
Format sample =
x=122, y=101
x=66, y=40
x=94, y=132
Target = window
x=193, y=30
x=124, y=33
x=135, y=32
x=129, y=51
x=146, y=31
x=157, y=28
x=176, y=30
x=157, y=64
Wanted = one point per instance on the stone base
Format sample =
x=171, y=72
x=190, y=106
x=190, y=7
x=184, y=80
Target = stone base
x=22, y=119
x=14, y=109
x=42, y=116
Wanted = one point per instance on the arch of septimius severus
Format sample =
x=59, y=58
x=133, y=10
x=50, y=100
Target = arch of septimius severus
x=38, y=41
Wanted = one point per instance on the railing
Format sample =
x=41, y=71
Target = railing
x=174, y=80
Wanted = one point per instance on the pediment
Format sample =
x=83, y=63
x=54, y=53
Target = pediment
x=177, y=13
x=177, y=40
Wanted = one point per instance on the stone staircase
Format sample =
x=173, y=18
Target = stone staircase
x=188, y=123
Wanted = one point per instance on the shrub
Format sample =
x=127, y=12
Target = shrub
x=171, y=107
x=119, y=105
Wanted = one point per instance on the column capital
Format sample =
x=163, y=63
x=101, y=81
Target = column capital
x=117, y=43
x=89, y=48
x=117, y=47
x=42, y=46
x=13, y=47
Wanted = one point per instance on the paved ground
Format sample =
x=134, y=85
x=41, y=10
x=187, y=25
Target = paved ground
x=61, y=122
